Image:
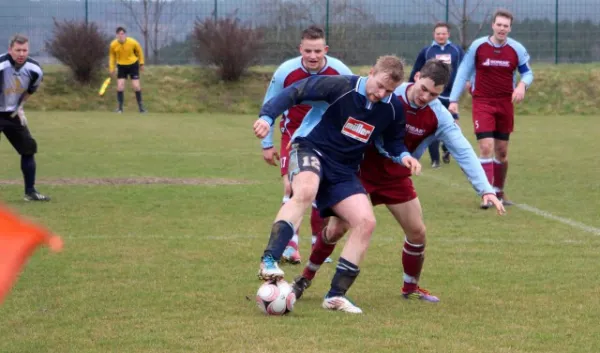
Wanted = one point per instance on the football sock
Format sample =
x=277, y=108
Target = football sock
x=488, y=168
x=500, y=170
x=28, y=169
x=413, y=256
x=321, y=251
x=281, y=233
x=345, y=274
x=138, y=97
x=120, y=99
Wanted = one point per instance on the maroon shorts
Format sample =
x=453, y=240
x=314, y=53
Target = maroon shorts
x=401, y=191
x=284, y=152
x=493, y=115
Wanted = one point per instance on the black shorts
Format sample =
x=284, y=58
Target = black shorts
x=133, y=71
x=17, y=134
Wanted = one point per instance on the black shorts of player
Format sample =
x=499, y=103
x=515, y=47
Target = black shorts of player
x=337, y=181
x=17, y=134
x=502, y=136
x=133, y=71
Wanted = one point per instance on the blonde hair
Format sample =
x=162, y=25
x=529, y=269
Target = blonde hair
x=390, y=65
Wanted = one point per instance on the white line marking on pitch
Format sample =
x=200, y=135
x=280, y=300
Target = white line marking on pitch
x=528, y=208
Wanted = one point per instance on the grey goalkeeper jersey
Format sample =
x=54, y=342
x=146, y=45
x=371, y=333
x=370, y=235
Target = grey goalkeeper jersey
x=15, y=82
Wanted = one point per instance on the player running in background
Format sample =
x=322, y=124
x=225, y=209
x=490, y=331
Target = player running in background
x=442, y=49
x=20, y=77
x=494, y=61
x=348, y=112
x=127, y=54
x=389, y=183
x=313, y=60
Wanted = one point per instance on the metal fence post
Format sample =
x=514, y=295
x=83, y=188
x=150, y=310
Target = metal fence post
x=556, y=32
x=327, y=20
x=447, y=10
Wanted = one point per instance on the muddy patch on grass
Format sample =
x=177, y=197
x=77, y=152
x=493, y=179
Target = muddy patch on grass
x=133, y=181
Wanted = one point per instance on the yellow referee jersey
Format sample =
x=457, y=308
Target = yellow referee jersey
x=125, y=54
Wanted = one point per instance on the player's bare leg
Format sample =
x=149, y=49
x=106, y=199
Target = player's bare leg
x=290, y=254
x=305, y=185
x=327, y=238
x=486, y=157
x=135, y=83
x=120, y=95
x=500, y=169
x=356, y=210
x=410, y=217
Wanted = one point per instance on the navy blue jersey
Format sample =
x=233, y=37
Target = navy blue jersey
x=342, y=121
x=449, y=53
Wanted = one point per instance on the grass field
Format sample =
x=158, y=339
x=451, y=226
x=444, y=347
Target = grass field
x=167, y=267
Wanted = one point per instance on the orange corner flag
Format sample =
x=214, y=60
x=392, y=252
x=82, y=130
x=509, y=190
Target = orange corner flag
x=18, y=240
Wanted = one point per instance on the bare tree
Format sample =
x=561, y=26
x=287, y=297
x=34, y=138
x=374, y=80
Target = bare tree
x=150, y=18
x=346, y=20
x=461, y=14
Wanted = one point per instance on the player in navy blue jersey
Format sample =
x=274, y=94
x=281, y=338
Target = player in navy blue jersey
x=444, y=50
x=347, y=113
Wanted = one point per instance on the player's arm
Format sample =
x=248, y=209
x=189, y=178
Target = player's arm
x=137, y=49
x=524, y=68
x=112, y=58
x=466, y=69
x=450, y=134
x=392, y=144
x=309, y=90
x=275, y=87
x=34, y=83
x=418, y=65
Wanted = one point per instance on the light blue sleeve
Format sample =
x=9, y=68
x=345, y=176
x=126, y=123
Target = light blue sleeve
x=338, y=66
x=465, y=71
x=422, y=147
x=450, y=134
x=524, y=68
x=275, y=87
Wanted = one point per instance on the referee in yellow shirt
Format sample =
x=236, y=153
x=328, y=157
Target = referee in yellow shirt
x=127, y=55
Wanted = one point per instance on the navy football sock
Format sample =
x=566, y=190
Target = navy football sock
x=345, y=274
x=281, y=233
x=28, y=169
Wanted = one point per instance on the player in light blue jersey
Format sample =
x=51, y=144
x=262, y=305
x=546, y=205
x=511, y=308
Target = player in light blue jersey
x=20, y=77
x=347, y=113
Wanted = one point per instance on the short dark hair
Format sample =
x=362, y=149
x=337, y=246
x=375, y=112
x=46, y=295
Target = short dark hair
x=19, y=39
x=121, y=29
x=503, y=13
x=436, y=70
x=313, y=32
x=441, y=24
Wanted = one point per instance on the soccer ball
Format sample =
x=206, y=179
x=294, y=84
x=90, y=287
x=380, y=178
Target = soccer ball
x=275, y=298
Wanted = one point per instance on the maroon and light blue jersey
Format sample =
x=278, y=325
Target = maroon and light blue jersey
x=492, y=69
x=286, y=74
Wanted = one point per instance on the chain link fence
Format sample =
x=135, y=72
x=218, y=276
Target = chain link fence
x=358, y=31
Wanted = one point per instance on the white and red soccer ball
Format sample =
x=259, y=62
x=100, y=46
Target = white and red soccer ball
x=275, y=298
